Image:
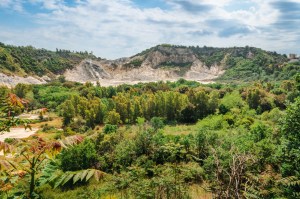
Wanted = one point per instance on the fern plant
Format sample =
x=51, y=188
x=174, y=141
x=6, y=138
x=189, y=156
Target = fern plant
x=53, y=175
x=291, y=182
x=28, y=157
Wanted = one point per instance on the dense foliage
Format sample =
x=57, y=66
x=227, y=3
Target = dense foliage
x=29, y=60
x=241, y=63
x=179, y=102
x=161, y=140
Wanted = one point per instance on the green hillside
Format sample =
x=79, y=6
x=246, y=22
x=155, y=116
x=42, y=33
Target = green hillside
x=28, y=60
x=240, y=63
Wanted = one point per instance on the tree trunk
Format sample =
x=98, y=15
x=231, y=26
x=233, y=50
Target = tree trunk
x=32, y=183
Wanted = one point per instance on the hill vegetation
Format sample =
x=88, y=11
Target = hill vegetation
x=240, y=63
x=31, y=61
x=157, y=140
x=165, y=140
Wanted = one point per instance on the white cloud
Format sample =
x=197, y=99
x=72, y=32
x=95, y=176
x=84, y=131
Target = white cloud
x=120, y=28
x=5, y=3
x=15, y=5
x=219, y=3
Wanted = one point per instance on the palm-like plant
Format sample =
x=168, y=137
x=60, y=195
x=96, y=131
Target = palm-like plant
x=53, y=175
x=28, y=158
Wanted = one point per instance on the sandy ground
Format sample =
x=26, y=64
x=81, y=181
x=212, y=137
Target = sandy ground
x=32, y=115
x=18, y=133
x=29, y=116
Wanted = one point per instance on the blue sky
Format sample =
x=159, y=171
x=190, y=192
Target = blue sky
x=119, y=28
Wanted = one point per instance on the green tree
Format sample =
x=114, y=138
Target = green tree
x=22, y=89
x=113, y=117
x=68, y=112
x=175, y=103
x=291, y=150
x=140, y=122
x=201, y=102
x=157, y=123
x=79, y=157
x=124, y=107
x=297, y=78
x=109, y=128
x=253, y=98
x=231, y=100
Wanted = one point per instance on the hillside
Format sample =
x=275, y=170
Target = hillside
x=162, y=62
x=238, y=63
x=22, y=61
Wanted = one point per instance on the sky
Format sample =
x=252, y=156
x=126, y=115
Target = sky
x=118, y=28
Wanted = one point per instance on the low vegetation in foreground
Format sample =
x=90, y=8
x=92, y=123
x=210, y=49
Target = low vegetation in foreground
x=154, y=140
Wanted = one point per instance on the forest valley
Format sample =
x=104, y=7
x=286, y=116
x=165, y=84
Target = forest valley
x=163, y=140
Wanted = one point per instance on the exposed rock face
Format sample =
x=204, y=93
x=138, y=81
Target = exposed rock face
x=87, y=71
x=162, y=64
x=14, y=80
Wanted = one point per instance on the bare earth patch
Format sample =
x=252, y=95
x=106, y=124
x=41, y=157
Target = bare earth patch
x=102, y=72
x=18, y=133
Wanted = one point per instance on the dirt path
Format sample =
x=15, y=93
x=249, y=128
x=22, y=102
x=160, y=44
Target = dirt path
x=18, y=133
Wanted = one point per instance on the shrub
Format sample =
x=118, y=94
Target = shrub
x=125, y=153
x=47, y=127
x=113, y=117
x=82, y=156
x=157, y=123
x=109, y=128
x=68, y=132
x=9, y=140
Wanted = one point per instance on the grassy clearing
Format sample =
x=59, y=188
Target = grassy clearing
x=198, y=192
x=55, y=122
x=180, y=129
x=97, y=191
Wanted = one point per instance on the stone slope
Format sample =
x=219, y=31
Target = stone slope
x=164, y=64
x=159, y=63
x=13, y=80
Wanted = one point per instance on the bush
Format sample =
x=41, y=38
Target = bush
x=125, y=153
x=113, y=117
x=213, y=122
x=47, y=128
x=259, y=131
x=157, y=123
x=78, y=125
x=192, y=172
x=109, y=128
x=9, y=140
x=68, y=132
x=82, y=156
